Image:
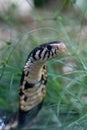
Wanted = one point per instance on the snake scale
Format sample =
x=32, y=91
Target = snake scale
x=33, y=82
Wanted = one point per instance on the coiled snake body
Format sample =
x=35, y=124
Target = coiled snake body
x=33, y=81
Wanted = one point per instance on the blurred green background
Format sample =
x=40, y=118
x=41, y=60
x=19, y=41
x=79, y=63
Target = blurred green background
x=65, y=105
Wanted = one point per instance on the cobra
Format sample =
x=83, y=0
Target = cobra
x=33, y=82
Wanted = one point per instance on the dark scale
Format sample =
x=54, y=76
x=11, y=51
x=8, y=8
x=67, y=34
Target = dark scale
x=27, y=73
x=20, y=92
x=44, y=67
x=43, y=79
x=52, y=53
x=45, y=82
x=55, y=51
x=25, y=98
x=22, y=78
x=46, y=53
x=28, y=85
x=34, y=53
x=49, y=47
x=41, y=52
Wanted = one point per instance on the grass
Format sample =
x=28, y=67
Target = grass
x=65, y=104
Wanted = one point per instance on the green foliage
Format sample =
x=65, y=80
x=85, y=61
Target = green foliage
x=66, y=100
x=39, y=2
x=82, y=6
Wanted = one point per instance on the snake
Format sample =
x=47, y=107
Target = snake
x=33, y=82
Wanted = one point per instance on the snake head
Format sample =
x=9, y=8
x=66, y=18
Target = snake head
x=48, y=51
x=56, y=48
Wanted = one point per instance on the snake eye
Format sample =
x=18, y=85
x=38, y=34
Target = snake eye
x=49, y=47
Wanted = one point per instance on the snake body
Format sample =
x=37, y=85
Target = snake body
x=33, y=81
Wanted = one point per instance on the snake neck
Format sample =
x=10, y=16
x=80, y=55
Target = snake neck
x=35, y=71
x=32, y=90
x=33, y=83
